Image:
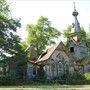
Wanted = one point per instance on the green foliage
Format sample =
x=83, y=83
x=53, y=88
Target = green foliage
x=41, y=34
x=24, y=45
x=10, y=49
x=88, y=40
x=83, y=35
x=68, y=31
x=8, y=26
x=87, y=76
x=10, y=80
x=4, y=8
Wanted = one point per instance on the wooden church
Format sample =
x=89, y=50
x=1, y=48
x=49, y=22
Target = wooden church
x=62, y=59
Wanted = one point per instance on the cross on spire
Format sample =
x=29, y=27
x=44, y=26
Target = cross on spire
x=74, y=6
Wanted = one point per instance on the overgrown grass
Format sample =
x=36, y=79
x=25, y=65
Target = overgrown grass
x=47, y=87
x=78, y=79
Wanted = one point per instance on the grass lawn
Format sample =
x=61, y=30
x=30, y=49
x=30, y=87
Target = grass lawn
x=47, y=87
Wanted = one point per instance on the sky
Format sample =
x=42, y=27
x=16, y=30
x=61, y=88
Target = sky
x=59, y=12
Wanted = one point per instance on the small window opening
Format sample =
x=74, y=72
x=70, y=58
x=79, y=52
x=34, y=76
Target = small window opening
x=71, y=49
x=34, y=71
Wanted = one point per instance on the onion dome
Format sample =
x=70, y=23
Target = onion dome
x=75, y=13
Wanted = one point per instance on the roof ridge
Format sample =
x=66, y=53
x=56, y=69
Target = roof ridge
x=50, y=53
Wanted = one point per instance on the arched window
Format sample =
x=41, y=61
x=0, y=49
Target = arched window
x=53, y=70
x=60, y=67
x=34, y=70
x=53, y=67
x=66, y=68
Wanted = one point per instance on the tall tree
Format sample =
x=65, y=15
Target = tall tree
x=10, y=48
x=41, y=34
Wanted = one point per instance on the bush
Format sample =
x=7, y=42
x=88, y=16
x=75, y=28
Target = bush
x=87, y=76
x=9, y=80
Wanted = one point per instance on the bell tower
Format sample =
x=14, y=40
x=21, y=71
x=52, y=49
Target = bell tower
x=75, y=44
x=75, y=35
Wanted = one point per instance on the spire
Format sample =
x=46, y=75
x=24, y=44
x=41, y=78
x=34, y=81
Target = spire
x=76, y=25
x=74, y=6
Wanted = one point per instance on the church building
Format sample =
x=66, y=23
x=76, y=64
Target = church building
x=62, y=59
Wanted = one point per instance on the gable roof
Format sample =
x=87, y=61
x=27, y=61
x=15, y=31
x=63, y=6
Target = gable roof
x=48, y=54
x=50, y=51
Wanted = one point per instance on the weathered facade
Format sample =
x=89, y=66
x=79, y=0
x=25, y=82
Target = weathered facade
x=60, y=59
x=56, y=62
